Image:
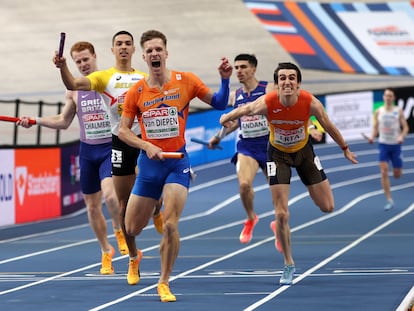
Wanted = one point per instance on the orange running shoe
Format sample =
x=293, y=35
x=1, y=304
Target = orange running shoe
x=107, y=267
x=133, y=275
x=247, y=232
x=120, y=238
x=277, y=243
x=158, y=222
x=165, y=293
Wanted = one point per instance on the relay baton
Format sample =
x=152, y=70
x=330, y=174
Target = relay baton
x=14, y=119
x=205, y=143
x=365, y=136
x=172, y=155
x=61, y=44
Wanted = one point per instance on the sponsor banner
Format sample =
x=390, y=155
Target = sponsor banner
x=388, y=36
x=37, y=184
x=72, y=199
x=351, y=113
x=352, y=37
x=7, y=195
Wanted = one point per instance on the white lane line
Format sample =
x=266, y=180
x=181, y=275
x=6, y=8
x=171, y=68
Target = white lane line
x=304, y=225
x=408, y=299
x=331, y=258
x=304, y=194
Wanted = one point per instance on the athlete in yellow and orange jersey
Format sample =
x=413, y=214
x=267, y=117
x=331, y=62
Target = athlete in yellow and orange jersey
x=161, y=102
x=285, y=134
x=288, y=110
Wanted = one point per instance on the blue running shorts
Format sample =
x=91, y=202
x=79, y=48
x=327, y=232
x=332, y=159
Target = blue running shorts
x=153, y=175
x=390, y=153
x=95, y=165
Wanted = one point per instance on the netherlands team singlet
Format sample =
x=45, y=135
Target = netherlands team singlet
x=94, y=124
x=113, y=85
x=163, y=114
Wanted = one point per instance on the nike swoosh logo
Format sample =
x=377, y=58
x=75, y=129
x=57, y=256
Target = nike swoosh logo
x=186, y=170
x=277, y=110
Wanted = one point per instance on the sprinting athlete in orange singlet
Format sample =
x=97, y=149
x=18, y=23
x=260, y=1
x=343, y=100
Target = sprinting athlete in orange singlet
x=161, y=102
x=288, y=110
x=252, y=140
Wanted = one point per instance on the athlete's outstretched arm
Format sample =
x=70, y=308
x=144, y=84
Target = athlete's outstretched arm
x=60, y=121
x=71, y=83
x=254, y=108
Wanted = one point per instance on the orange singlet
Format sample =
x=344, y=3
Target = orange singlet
x=288, y=125
x=162, y=114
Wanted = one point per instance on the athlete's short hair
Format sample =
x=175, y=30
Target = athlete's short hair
x=81, y=46
x=152, y=34
x=251, y=58
x=122, y=32
x=287, y=66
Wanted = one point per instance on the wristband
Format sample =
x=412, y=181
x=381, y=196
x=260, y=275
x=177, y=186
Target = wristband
x=344, y=148
x=38, y=121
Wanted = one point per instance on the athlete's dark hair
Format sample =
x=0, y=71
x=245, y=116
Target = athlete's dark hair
x=390, y=89
x=287, y=66
x=248, y=57
x=122, y=32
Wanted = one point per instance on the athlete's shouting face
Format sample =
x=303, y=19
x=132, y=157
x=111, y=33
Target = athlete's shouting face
x=154, y=53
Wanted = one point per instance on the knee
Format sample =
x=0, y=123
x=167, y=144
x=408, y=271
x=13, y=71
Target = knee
x=384, y=173
x=282, y=217
x=245, y=187
x=132, y=229
x=94, y=208
x=170, y=228
x=111, y=200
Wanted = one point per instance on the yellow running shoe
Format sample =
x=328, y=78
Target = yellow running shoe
x=158, y=222
x=120, y=238
x=107, y=267
x=164, y=293
x=133, y=269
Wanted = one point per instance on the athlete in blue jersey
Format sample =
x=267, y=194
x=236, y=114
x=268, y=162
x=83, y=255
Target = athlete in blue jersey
x=95, y=153
x=252, y=137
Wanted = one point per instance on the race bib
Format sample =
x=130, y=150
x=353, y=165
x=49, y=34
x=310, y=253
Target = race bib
x=289, y=138
x=160, y=123
x=253, y=126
